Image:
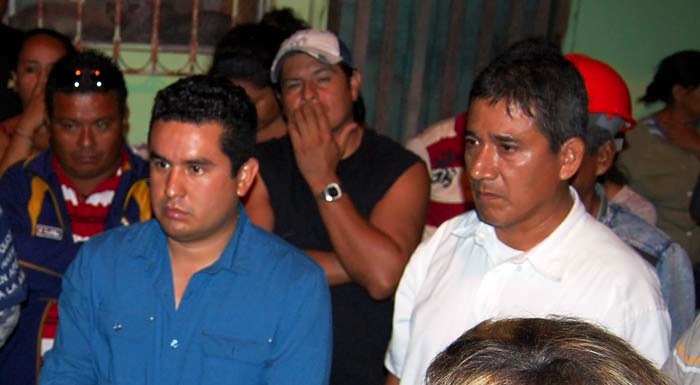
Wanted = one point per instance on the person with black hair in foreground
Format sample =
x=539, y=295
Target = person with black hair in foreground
x=530, y=248
x=87, y=182
x=199, y=295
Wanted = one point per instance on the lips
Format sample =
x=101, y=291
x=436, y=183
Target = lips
x=174, y=212
x=485, y=195
x=87, y=158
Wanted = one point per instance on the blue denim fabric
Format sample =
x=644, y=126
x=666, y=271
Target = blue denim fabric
x=673, y=265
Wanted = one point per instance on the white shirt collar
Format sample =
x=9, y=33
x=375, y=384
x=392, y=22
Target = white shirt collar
x=547, y=257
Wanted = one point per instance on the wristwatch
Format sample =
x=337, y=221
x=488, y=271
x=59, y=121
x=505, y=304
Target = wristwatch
x=332, y=192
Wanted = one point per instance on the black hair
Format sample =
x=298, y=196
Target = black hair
x=246, y=53
x=61, y=38
x=203, y=98
x=85, y=72
x=681, y=68
x=285, y=20
x=533, y=76
x=358, y=106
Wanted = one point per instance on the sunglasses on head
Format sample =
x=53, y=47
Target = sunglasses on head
x=83, y=78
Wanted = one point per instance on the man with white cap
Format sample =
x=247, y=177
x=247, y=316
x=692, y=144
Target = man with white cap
x=355, y=201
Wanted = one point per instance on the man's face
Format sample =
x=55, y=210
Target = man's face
x=304, y=80
x=515, y=178
x=87, y=134
x=193, y=194
x=689, y=100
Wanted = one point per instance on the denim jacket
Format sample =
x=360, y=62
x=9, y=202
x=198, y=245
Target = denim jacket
x=673, y=265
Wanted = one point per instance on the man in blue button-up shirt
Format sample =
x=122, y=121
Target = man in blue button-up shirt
x=199, y=295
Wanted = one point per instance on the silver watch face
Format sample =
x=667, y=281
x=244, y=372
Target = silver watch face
x=332, y=192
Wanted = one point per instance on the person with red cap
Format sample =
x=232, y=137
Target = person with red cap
x=609, y=113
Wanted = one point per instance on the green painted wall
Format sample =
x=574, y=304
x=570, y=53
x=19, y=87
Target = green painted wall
x=633, y=36
x=142, y=88
x=630, y=35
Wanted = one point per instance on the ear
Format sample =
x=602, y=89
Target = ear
x=355, y=84
x=125, y=121
x=570, y=156
x=246, y=176
x=605, y=156
x=677, y=92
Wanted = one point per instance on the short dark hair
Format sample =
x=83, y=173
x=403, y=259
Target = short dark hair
x=202, y=99
x=539, y=351
x=61, y=38
x=85, y=72
x=246, y=53
x=284, y=19
x=681, y=68
x=359, y=111
x=533, y=76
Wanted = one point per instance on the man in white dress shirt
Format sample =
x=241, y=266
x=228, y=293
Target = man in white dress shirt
x=530, y=249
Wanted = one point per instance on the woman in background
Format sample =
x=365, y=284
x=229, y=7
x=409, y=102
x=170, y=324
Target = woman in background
x=662, y=161
x=25, y=134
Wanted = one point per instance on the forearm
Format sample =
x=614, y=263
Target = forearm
x=19, y=148
x=391, y=380
x=368, y=256
x=335, y=272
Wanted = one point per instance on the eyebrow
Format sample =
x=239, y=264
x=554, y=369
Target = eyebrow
x=505, y=138
x=189, y=162
x=322, y=67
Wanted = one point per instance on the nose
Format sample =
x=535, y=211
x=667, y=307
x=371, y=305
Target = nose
x=481, y=162
x=173, y=184
x=308, y=91
x=86, y=137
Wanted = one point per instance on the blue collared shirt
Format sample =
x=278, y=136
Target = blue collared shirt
x=259, y=314
x=672, y=264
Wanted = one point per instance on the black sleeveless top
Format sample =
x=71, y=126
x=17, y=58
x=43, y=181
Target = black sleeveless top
x=361, y=325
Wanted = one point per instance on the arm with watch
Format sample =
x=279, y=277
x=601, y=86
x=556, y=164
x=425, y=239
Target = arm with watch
x=372, y=251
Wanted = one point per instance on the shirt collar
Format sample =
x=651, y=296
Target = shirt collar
x=547, y=257
x=234, y=258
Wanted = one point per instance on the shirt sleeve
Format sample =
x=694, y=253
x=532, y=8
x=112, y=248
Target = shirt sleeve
x=8, y=321
x=404, y=303
x=682, y=366
x=675, y=273
x=71, y=360
x=304, y=340
x=12, y=286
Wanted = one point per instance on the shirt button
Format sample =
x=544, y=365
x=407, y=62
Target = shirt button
x=689, y=233
x=174, y=343
x=151, y=318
